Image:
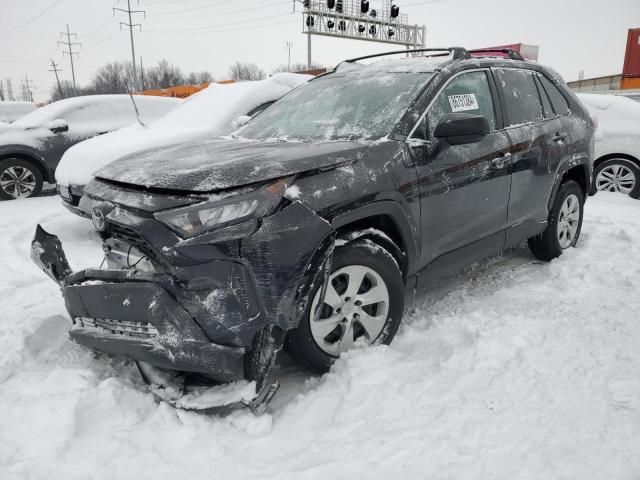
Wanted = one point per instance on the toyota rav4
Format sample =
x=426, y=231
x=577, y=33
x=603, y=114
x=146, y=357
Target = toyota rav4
x=315, y=225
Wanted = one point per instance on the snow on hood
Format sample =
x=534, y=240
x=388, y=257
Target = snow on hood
x=616, y=115
x=222, y=163
x=210, y=112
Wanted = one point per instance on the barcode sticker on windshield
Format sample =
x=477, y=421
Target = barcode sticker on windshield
x=462, y=103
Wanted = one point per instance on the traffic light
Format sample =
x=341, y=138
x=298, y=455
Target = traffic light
x=364, y=6
x=395, y=11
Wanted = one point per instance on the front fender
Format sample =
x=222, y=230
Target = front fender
x=286, y=254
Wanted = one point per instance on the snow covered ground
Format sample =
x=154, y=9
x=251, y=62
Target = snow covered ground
x=513, y=370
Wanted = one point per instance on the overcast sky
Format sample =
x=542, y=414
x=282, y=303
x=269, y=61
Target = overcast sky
x=573, y=35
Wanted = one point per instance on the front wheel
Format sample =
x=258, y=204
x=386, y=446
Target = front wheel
x=364, y=301
x=19, y=179
x=564, y=223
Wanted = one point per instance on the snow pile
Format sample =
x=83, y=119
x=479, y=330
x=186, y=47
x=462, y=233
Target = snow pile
x=11, y=111
x=515, y=370
x=210, y=112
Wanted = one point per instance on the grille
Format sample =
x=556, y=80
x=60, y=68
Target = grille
x=118, y=327
x=127, y=234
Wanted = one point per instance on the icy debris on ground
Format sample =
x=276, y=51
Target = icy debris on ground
x=517, y=369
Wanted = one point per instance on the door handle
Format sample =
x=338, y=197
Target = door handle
x=560, y=137
x=500, y=161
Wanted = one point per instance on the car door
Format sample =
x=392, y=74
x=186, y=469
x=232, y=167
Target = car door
x=464, y=189
x=537, y=137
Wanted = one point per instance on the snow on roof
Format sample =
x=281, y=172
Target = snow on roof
x=615, y=114
x=419, y=64
x=210, y=112
x=113, y=104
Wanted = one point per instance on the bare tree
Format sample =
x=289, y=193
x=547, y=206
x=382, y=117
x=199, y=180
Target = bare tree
x=196, y=78
x=67, y=91
x=246, y=71
x=163, y=75
x=116, y=77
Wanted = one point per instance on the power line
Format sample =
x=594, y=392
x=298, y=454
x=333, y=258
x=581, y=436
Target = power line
x=55, y=70
x=32, y=19
x=129, y=12
x=69, y=44
x=219, y=14
x=207, y=28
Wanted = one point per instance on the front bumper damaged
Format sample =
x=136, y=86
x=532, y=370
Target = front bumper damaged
x=176, y=320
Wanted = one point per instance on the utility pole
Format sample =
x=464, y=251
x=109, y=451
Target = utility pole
x=289, y=46
x=141, y=76
x=1, y=91
x=69, y=44
x=131, y=25
x=55, y=69
x=308, y=36
x=10, y=96
x=27, y=85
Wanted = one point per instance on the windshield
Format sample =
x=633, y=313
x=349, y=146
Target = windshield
x=339, y=107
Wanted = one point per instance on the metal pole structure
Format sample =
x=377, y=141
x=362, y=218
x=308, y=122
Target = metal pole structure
x=69, y=44
x=141, y=76
x=309, y=51
x=133, y=49
x=289, y=45
x=1, y=92
x=129, y=12
x=56, y=70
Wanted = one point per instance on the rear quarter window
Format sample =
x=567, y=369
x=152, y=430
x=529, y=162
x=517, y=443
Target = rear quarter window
x=560, y=104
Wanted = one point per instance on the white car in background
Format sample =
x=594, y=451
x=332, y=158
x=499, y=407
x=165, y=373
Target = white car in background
x=215, y=111
x=10, y=111
x=617, y=155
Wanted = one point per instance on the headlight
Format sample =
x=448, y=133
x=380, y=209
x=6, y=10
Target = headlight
x=197, y=219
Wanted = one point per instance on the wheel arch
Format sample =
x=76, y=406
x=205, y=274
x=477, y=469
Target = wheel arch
x=386, y=223
x=47, y=175
x=613, y=156
x=579, y=171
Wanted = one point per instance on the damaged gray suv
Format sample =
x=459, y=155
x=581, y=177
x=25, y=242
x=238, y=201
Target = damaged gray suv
x=314, y=227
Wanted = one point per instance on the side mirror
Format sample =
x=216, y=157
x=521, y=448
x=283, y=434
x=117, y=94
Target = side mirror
x=462, y=128
x=58, y=126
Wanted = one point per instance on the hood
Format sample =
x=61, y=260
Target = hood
x=222, y=164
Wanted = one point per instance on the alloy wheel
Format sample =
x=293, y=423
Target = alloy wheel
x=616, y=178
x=356, y=305
x=568, y=221
x=17, y=181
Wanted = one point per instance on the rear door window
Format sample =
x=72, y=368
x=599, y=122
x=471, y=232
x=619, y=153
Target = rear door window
x=521, y=96
x=560, y=104
x=466, y=93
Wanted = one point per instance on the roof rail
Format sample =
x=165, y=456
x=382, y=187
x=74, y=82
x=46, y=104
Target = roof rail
x=512, y=54
x=459, y=53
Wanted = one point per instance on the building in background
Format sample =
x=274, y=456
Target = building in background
x=629, y=79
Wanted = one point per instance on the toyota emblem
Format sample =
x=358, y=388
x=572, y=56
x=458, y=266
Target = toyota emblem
x=98, y=219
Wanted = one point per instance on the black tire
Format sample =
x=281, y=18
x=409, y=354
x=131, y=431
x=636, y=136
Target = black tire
x=546, y=246
x=633, y=167
x=20, y=165
x=300, y=343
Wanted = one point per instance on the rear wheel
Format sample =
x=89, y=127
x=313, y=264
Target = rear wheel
x=617, y=175
x=364, y=301
x=564, y=223
x=19, y=179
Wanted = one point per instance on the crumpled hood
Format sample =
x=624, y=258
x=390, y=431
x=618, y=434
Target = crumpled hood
x=221, y=164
